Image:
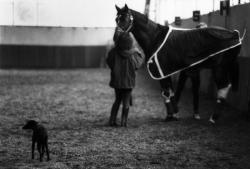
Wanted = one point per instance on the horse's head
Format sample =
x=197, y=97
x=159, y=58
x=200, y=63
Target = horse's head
x=145, y=31
x=124, y=18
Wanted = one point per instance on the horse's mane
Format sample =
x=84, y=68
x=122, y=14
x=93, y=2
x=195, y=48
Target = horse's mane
x=144, y=18
x=155, y=31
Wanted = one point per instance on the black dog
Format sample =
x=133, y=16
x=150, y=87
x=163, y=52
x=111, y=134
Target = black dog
x=40, y=137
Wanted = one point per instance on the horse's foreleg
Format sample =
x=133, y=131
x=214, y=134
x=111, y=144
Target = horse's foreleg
x=181, y=83
x=168, y=96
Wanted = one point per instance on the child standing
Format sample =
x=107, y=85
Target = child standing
x=123, y=60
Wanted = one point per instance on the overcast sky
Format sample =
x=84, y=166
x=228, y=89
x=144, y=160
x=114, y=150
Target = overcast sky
x=94, y=13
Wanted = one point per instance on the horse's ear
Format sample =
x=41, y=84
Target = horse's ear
x=117, y=8
x=126, y=8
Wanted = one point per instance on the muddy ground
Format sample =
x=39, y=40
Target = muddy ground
x=74, y=105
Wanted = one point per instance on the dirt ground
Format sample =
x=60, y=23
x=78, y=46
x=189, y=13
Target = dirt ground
x=74, y=105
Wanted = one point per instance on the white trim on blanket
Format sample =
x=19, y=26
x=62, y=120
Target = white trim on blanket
x=158, y=65
x=154, y=56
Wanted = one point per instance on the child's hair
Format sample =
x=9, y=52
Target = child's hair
x=124, y=41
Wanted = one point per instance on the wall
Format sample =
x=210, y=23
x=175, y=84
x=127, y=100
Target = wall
x=53, y=47
x=238, y=19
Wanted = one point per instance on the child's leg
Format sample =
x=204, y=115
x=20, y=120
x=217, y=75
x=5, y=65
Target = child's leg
x=115, y=108
x=131, y=101
x=126, y=96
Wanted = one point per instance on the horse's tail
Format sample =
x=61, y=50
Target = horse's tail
x=243, y=36
x=233, y=65
x=234, y=68
x=234, y=75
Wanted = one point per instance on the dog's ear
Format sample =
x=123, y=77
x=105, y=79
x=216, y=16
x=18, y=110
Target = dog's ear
x=117, y=8
x=32, y=123
x=27, y=121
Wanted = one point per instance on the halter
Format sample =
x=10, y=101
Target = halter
x=130, y=23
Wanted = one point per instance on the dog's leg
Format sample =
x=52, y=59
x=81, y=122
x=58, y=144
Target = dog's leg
x=32, y=149
x=43, y=150
x=47, y=150
x=40, y=151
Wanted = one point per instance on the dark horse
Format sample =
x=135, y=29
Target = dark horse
x=169, y=51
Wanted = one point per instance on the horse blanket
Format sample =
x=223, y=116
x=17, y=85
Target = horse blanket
x=182, y=49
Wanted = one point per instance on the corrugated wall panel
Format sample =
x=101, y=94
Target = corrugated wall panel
x=23, y=56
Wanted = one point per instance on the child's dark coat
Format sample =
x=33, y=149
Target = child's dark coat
x=123, y=65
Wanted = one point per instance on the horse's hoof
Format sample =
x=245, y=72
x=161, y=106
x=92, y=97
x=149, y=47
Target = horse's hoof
x=211, y=120
x=197, y=117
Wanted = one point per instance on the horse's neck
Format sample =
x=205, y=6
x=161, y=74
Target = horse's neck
x=149, y=35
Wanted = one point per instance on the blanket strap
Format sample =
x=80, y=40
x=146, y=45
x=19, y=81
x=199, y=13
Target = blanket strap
x=158, y=65
x=154, y=56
